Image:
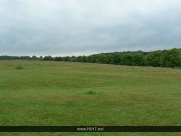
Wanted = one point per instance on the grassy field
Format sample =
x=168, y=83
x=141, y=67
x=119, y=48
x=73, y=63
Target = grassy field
x=64, y=94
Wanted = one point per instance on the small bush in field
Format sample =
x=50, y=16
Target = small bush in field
x=19, y=67
x=91, y=92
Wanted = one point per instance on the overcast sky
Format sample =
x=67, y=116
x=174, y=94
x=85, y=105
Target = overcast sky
x=85, y=27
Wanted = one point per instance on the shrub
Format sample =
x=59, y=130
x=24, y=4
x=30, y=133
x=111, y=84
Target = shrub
x=91, y=92
x=19, y=67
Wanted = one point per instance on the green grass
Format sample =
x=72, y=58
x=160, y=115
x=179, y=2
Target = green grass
x=63, y=93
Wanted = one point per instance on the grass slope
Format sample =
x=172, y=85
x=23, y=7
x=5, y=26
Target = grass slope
x=62, y=93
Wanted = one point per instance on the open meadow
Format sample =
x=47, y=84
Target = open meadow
x=49, y=93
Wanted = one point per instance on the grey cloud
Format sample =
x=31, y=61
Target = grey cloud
x=81, y=27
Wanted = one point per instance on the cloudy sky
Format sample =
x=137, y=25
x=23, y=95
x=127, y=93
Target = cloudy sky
x=85, y=27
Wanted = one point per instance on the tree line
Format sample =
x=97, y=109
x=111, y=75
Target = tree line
x=159, y=58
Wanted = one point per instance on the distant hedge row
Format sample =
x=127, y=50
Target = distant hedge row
x=164, y=58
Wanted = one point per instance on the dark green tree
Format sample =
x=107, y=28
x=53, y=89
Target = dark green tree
x=127, y=59
x=58, y=58
x=109, y=59
x=88, y=59
x=48, y=58
x=79, y=59
x=138, y=59
x=100, y=58
x=66, y=58
x=92, y=58
x=153, y=59
x=40, y=58
x=34, y=57
x=171, y=58
x=116, y=59
x=27, y=57
x=84, y=58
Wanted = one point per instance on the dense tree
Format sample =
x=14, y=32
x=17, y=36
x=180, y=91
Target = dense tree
x=92, y=58
x=73, y=59
x=109, y=59
x=127, y=59
x=88, y=59
x=67, y=58
x=50, y=58
x=81, y=59
x=34, y=57
x=171, y=58
x=5, y=57
x=27, y=58
x=153, y=59
x=58, y=58
x=165, y=58
x=138, y=59
x=100, y=58
x=84, y=59
x=40, y=58
x=116, y=59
